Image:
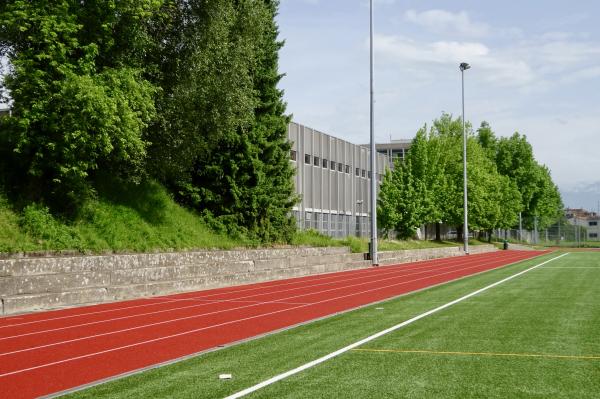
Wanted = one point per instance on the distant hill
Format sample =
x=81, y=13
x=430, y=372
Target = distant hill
x=585, y=195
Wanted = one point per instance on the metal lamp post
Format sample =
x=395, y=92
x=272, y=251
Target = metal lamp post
x=463, y=67
x=373, y=246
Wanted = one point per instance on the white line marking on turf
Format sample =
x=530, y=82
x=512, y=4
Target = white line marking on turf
x=379, y=334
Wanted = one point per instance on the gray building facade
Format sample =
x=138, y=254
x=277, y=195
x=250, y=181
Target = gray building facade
x=332, y=178
x=395, y=149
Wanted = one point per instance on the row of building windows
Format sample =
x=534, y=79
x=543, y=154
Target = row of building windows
x=316, y=161
x=332, y=224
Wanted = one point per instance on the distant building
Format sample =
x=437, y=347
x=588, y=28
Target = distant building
x=587, y=219
x=395, y=149
x=4, y=111
x=333, y=179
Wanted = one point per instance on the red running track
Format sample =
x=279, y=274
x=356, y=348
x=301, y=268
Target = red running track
x=50, y=352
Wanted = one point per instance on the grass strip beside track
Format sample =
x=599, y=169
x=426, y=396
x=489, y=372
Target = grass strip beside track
x=259, y=359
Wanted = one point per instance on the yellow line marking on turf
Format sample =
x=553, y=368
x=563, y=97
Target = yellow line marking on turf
x=571, y=267
x=543, y=355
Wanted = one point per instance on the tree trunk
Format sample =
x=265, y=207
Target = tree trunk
x=459, y=233
x=438, y=232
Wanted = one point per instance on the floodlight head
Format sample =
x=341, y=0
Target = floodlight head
x=464, y=66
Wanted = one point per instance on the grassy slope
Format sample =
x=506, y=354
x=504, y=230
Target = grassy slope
x=135, y=218
x=550, y=311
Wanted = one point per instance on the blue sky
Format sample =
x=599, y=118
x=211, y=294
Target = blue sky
x=536, y=70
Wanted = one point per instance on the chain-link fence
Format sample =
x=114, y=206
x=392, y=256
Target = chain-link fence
x=559, y=234
x=567, y=235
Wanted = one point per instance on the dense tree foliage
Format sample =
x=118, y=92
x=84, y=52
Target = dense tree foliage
x=183, y=91
x=540, y=198
x=504, y=179
x=71, y=114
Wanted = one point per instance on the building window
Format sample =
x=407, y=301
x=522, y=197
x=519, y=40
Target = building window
x=369, y=174
x=307, y=219
x=293, y=155
x=593, y=223
x=307, y=159
x=324, y=163
x=332, y=163
x=348, y=169
x=316, y=161
x=357, y=172
x=593, y=235
x=364, y=173
x=340, y=167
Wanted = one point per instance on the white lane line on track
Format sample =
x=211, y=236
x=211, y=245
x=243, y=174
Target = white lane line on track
x=256, y=286
x=381, y=273
x=415, y=265
x=379, y=334
x=221, y=324
x=387, y=273
x=210, y=301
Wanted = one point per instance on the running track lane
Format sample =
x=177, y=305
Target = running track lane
x=49, y=352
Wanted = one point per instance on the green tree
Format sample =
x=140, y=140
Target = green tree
x=71, y=116
x=400, y=207
x=221, y=140
x=539, y=195
x=203, y=55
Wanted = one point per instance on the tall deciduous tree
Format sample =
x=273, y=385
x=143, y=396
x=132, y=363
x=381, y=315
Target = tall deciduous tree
x=428, y=186
x=400, y=207
x=222, y=142
x=538, y=195
x=71, y=114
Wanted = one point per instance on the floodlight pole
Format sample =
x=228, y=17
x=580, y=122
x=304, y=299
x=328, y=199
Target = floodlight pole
x=463, y=67
x=373, y=248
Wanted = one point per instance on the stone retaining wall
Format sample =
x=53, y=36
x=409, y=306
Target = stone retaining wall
x=395, y=257
x=28, y=284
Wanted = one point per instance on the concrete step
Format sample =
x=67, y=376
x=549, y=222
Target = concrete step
x=32, y=302
x=77, y=264
x=44, y=283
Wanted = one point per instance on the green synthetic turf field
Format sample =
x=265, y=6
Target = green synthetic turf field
x=535, y=336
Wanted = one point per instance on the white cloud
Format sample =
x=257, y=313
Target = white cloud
x=436, y=52
x=446, y=21
x=503, y=71
x=537, y=64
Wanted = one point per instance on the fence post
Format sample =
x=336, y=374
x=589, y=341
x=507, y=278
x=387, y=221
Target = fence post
x=520, y=227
